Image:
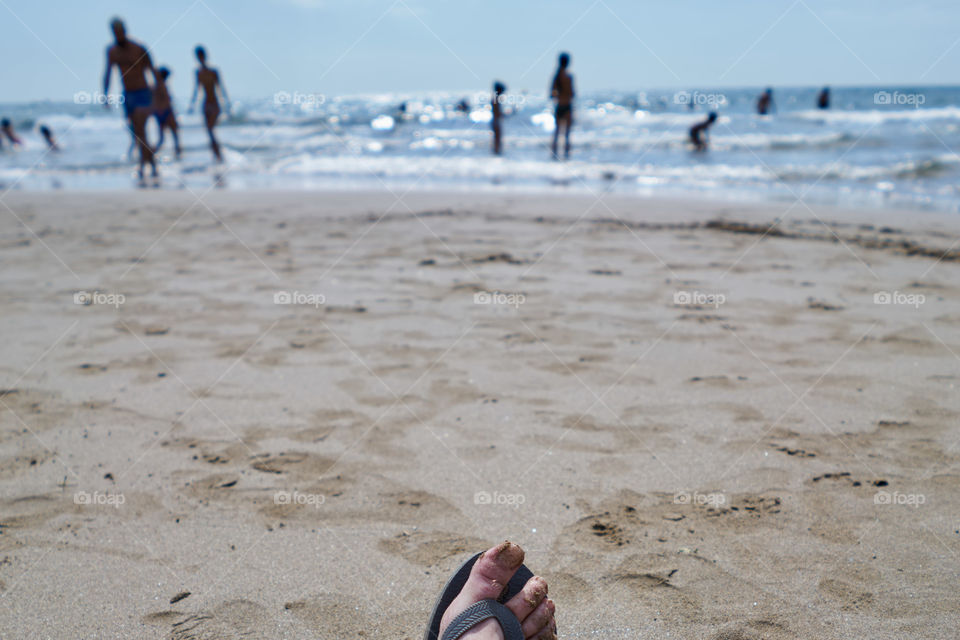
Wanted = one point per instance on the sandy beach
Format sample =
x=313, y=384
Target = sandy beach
x=293, y=414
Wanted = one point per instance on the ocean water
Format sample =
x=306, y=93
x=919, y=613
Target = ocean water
x=876, y=147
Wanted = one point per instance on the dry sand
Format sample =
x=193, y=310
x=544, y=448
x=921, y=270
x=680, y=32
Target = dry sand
x=782, y=464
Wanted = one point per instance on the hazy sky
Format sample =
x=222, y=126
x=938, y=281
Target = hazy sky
x=54, y=48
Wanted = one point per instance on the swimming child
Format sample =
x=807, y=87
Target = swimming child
x=48, y=136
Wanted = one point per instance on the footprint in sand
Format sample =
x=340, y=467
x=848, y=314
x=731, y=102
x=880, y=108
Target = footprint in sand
x=849, y=597
x=233, y=619
x=292, y=462
x=336, y=616
x=654, y=519
x=431, y=548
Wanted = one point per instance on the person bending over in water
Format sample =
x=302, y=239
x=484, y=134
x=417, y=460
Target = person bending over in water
x=48, y=136
x=209, y=79
x=562, y=93
x=765, y=103
x=497, y=122
x=699, y=132
x=163, y=111
x=133, y=61
x=7, y=127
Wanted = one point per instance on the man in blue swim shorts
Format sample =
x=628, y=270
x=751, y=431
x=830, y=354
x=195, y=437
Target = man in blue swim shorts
x=133, y=61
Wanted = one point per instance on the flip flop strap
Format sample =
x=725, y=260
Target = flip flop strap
x=484, y=610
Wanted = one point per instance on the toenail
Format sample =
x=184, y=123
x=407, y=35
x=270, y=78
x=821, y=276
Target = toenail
x=509, y=555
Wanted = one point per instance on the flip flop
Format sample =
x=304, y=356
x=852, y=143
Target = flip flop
x=480, y=611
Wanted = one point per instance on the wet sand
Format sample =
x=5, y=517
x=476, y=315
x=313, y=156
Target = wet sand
x=699, y=424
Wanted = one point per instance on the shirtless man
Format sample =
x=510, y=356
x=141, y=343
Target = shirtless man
x=562, y=93
x=209, y=79
x=133, y=61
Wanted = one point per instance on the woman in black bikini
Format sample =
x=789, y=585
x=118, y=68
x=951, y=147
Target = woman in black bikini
x=209, y=79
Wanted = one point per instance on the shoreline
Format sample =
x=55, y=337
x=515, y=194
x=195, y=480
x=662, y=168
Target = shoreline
x=915, y=233
x=730, y=197
x=674, y=202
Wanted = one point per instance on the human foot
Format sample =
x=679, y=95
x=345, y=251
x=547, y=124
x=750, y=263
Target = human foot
x=488, y=579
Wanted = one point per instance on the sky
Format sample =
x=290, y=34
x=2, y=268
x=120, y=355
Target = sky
x=54, y=48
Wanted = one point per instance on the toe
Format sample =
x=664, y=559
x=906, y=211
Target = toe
x=491, y=572
x=489, y=577
x=529, y=598
x=541, y=619
x=548, y=633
